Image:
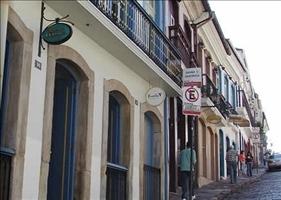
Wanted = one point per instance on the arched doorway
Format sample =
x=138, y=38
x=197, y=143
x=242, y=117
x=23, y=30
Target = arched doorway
x=212, y=155
x=152, y=157
x=227, y=143
x=227, y=148
x=14, y=98
x=68, y=71
x=209, y=152
x=202, y=157
x=222, y=162
x=118, y=156
x=216, y=157
x=62, y=159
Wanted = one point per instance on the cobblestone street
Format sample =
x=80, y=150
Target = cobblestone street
x=268, y=187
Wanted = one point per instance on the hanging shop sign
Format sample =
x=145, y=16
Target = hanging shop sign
x=155, y=96
x=192, y=76
x=57, y=33
x=191, y=100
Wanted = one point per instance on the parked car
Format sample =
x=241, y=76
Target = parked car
x=274, y=161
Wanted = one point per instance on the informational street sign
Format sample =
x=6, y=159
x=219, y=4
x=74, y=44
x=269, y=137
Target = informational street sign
x=256, y=138
x=192, y=80
x=191, y=100
x=192, y=76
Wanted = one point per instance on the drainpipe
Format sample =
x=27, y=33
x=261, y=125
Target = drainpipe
x=166, y=148
x=195, y=25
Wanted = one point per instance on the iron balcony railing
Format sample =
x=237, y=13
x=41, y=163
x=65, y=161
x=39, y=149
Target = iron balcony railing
x=210, y=90
x=5, y=172
x=133, y=20
x=116, y=186
x=180, y=40
x=246, y=105
x=152, y=183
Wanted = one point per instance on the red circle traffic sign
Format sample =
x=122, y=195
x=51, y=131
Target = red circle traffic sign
x=191, y=94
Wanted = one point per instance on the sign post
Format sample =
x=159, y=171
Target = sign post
x=191, y=95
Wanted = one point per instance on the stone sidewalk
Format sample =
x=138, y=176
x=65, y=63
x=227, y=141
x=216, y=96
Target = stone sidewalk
x=221, y=189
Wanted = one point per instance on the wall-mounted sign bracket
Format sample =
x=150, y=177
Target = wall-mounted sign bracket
x=57, y=32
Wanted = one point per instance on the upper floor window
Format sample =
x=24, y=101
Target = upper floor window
x=150, y=8
x=218, y=81
x=214, y=75
x=207, y=66
x=233, y=96
x=173, y=12
x=187, y=30
x=225, y=87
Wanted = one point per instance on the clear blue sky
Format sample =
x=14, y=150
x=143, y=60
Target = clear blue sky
x=255, y=26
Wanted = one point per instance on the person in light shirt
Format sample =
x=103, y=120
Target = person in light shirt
x=185, y=168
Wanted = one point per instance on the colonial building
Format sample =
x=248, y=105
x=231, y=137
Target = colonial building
x=91, y=99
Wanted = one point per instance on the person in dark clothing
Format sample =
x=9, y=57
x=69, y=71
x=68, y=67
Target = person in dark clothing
x=231, y=160
x=249, y=163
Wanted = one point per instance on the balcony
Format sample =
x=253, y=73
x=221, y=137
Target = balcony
x=181, y=42
x=133, y=20
x=209, y=90
x=245, y=109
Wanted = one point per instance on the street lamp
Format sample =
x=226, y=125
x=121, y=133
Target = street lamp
x=197, y=23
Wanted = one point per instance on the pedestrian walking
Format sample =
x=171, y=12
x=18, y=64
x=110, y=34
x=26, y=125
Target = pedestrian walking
x=231, y=160
x=242, y=162
x=265, y=158
x=185, y=168
x=249, y=163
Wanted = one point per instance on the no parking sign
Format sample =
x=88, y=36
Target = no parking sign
x=191, y=100
x=191, y=91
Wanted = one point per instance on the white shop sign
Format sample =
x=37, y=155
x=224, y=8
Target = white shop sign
x=155, y=96
x=191, y=76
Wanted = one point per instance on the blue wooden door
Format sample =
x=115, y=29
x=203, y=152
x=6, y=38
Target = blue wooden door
x=61, y=169
x=114, y=132
x=148, y=157
x=5, y=89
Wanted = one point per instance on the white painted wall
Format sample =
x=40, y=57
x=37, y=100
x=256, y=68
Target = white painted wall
x=29, y=12
x=105, y=66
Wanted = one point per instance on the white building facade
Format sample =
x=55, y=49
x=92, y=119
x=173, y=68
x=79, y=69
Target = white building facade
x=76, y=118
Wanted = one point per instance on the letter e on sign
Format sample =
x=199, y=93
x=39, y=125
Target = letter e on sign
x=191, y=100
x=192, y=94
